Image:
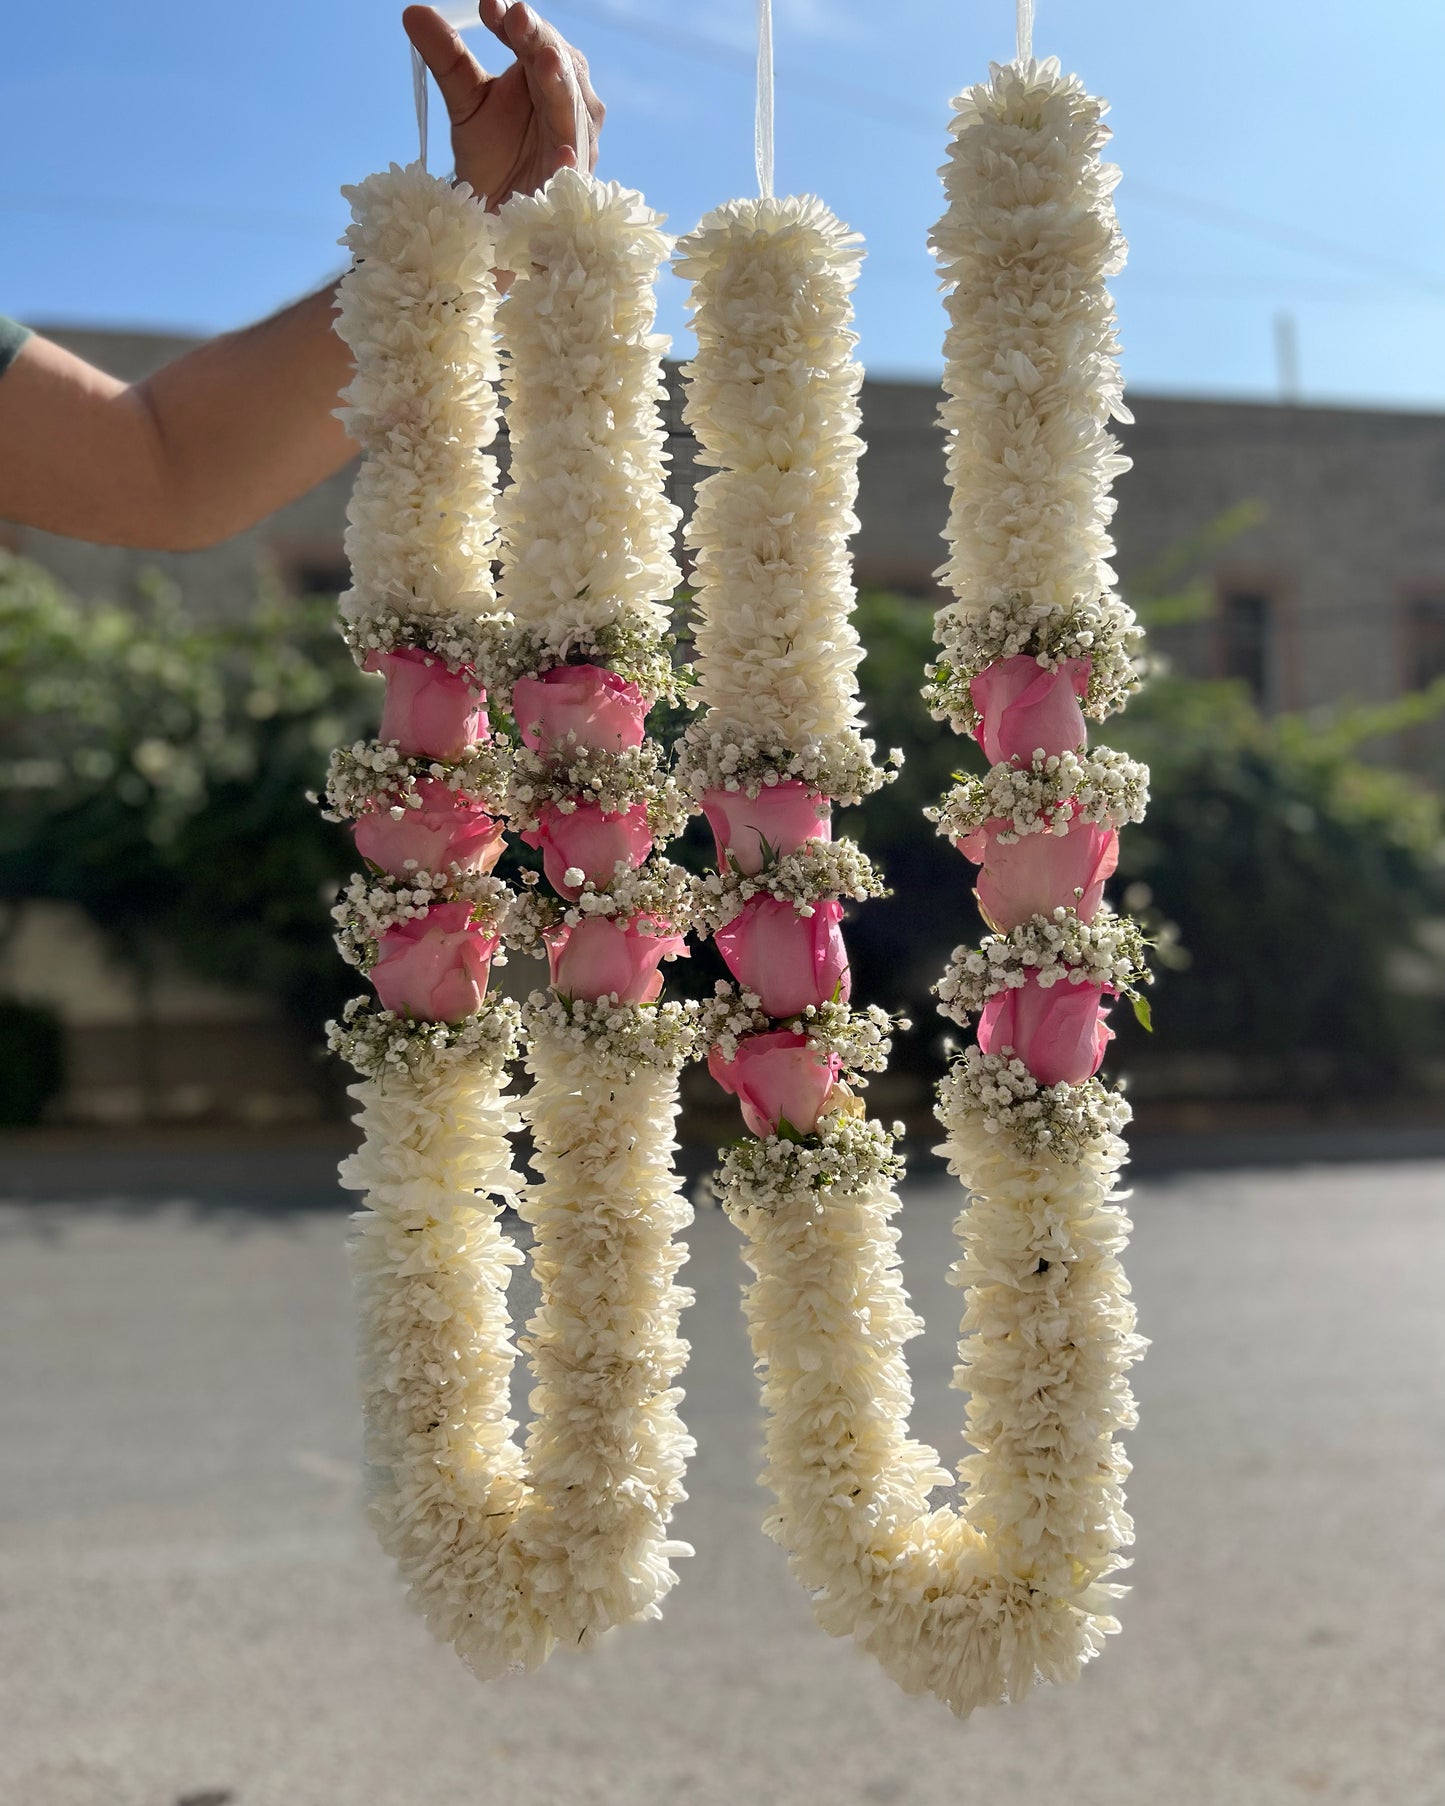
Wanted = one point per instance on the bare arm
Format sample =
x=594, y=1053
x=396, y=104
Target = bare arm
x=208, y=445
x=244, y=423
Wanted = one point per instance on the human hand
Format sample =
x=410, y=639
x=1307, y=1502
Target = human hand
x=510, y=132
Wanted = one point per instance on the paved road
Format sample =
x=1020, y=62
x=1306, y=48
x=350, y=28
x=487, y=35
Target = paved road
x=191, y=1611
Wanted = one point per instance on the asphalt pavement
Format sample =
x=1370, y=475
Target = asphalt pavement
x=192, y=1612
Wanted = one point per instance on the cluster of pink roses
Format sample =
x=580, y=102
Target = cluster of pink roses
x=435, y=967
x=787, y=959
x=586, y=706
x=1058, y=1031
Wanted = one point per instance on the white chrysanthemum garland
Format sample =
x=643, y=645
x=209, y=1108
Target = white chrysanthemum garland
x=588, y=574
x=975, y=1606
x=509, y=1551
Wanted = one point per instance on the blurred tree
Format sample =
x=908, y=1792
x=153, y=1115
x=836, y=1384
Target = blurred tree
x=154, y=770
x=1300, y=879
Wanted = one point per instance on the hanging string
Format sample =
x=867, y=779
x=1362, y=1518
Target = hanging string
x=418, y=95
x=763, y=119
x=1024, y=10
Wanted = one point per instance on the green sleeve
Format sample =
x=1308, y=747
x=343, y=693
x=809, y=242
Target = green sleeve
x=12, y=336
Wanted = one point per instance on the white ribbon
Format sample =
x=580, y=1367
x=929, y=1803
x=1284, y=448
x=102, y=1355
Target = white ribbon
x=465, y=17
x=763, y=119
x=418, y=95
x=1024, y=10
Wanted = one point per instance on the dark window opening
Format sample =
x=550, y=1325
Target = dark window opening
x=1244, y=640
x=1424, y=641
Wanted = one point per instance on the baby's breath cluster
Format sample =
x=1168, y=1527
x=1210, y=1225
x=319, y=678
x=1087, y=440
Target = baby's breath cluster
x=859, y=1036
x=850, y=1154
x=1047, y=796
x=573, y=775
x=1059, y=949
x=660, y=890
x=838, y=765
x=820, y=868
x=480, y=643
x=629, y=644
x=1063, y=1121
x=1103, y=630
x=375, y=774
x=621, y=1039
x=378, y=1042
x=373, y=902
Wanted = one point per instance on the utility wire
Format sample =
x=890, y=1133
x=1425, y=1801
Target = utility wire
x=865, y=103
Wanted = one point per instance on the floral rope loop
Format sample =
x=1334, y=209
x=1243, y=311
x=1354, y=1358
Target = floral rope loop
x=588, y=574
x=977, y=1603
x=1046, y=796
x=377, y=775
x=509, y=1550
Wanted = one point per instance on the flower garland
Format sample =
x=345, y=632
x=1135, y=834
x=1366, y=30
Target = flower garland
x=973, y=1605
x=588, y=574
x=773, y=399
x=509, y=1550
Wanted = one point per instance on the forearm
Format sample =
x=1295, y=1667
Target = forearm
x=245, y=423
x=207, y=446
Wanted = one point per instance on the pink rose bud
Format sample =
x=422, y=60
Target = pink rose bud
x=780, y=816
x=600, y=708
x=1024, y=709
x=605, y=957
x=448, y=830
x=1035, y=874
x=1059, y=1033
x=789, y=960
x=590, y=841
x=430, y=712
x=777, y=1077
x=434, y=968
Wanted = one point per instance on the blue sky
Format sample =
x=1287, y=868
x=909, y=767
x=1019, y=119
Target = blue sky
x=177, y=165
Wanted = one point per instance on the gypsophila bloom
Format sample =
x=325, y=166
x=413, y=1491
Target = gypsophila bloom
x=860, y=1037
x=660, y=890
x=1047, y=796
x=373, y=903
x=622, y=1039
x=377, y=1042
x=713, y=757
x=1060, y=949
x=820, y=868
x=1104, y=632
x=375, y=774
x=848, y=1154
x=1062, y=1120
x=483, y=645
x=614, y=781
x=630, y=645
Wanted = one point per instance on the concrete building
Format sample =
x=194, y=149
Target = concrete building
x=1317, y=533
x=1311, y=541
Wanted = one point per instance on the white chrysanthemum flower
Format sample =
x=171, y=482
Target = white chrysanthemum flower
x=416, y=310
x=1031, y=377
x=773, y=400
x=586, y=525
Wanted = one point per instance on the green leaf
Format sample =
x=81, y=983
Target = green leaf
x=1143, y=1014
x=786, y=1131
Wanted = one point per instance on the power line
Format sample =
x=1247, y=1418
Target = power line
x=885, y=110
